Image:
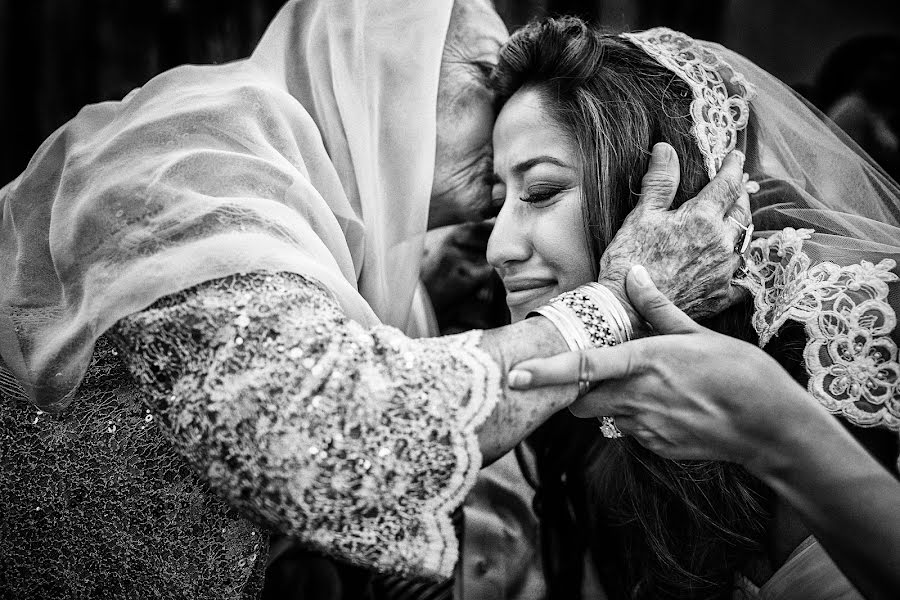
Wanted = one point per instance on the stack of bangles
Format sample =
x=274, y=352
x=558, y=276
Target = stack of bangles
x=589, y=316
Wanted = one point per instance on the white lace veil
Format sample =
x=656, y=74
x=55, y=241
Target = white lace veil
x=827, y=220
x=314, y=156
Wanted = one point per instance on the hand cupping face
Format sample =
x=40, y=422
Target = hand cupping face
x=689, y=252
x=658, y=389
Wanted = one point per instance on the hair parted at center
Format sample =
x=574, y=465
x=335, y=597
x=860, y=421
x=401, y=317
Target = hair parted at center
x=655, y=528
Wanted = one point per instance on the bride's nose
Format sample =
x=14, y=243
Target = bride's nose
x=508, y=243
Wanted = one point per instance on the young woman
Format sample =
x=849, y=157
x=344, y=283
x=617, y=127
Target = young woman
x=580, y=114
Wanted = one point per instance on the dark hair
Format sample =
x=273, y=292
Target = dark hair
x=655, y=528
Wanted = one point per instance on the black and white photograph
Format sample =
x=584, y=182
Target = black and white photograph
x=449, y=300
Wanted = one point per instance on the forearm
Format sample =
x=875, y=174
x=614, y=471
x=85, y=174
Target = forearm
x=847, y=499
x=360, y=442
x=303, y=418
x=519, y=412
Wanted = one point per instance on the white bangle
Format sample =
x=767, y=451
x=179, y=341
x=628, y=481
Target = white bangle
x=589, y=316
x=568, y=325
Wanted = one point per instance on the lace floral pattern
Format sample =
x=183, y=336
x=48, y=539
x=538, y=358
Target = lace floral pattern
x=850, y=356
x=358, y=442
x=718, y=115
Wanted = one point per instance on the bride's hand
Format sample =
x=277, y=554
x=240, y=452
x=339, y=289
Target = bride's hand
x=689, y=252
x=691, y=393
x=696, y=394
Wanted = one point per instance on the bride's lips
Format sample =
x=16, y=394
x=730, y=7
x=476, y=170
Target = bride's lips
x=524, y=289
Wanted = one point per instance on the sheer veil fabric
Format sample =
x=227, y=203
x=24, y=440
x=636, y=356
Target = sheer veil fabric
x=828, y=223
x=313, y=156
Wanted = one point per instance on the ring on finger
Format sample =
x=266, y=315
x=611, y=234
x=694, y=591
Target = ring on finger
x=608, y=428
x=742, y=266
x=746, y=237
x=584, y=376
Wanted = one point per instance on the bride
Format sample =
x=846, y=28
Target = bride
x=580, y=113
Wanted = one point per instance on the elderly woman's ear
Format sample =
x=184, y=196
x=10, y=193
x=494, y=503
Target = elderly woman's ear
x=465, y=115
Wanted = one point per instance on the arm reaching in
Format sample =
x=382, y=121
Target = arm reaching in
x=361, y=442
x=696, y=394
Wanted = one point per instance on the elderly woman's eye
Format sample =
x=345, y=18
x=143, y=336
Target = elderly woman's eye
x=484, y=69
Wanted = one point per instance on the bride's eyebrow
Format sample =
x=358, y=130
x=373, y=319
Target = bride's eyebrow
x=525, y=165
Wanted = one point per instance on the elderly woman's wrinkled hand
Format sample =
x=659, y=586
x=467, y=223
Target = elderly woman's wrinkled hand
x=689, y=394
x=690, y=252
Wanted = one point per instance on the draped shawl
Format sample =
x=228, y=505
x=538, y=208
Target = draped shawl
x=313, y=156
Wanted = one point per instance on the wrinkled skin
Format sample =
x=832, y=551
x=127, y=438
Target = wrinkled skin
x=465, y=115
x=689, y=252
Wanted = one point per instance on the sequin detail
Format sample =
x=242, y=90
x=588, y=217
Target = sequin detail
x=95, y=503
x=358, y=442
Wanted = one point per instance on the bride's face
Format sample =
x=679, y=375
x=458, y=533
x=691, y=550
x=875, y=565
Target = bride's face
x=538, y=245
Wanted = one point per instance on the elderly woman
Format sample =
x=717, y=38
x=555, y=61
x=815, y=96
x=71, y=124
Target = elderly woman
x=202, y=292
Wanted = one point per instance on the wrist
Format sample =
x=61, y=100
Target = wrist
x=794, y=439
x=617, y=289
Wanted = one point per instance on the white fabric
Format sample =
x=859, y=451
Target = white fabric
x=314, y=156
x=827, y=221
x=808, y=573
x=721, y=106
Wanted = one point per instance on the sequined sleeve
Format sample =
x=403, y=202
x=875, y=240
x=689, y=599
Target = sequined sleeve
x=358, y=442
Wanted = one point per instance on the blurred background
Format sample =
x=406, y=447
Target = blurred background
x=57, y=55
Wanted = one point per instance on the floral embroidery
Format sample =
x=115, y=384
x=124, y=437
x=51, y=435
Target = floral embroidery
x=361, y=443
x=850, y=356
x=718, y=114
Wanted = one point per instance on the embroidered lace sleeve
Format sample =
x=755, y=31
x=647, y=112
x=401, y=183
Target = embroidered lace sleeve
x=850, y=355
x=359, y=442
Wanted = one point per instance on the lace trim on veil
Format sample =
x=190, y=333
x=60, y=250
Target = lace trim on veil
x=849, y=355
x=718, y=114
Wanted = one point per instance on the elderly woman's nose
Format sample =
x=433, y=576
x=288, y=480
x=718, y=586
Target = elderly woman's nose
x=509, y=239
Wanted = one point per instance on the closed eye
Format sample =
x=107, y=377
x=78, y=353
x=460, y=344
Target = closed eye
x=485, y=69
x=540, y=194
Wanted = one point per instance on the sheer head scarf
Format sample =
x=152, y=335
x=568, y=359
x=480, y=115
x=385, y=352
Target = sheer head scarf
x=314, y=156
x=827, y=220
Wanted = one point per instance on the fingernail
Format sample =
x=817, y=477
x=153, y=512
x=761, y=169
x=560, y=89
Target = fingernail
x=663, y=152
x=518, y=378
x=641, y=276
x=741, y=156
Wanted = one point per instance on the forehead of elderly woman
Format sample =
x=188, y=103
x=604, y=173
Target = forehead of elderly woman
x=465, y=115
